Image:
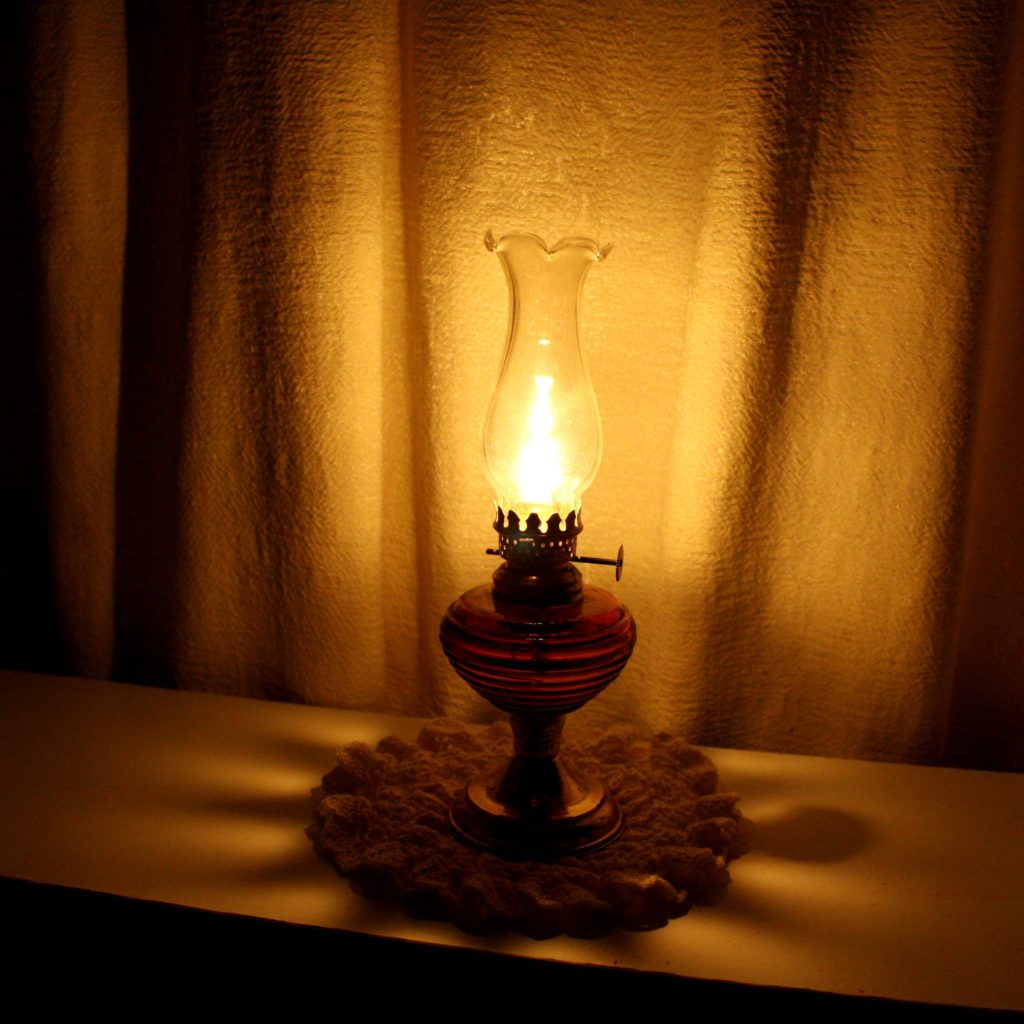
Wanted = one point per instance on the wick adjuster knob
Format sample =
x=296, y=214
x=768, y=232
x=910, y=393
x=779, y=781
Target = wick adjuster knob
x=617, y=562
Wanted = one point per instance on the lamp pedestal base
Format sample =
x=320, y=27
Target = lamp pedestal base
x=535, y=807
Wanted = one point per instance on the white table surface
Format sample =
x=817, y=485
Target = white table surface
x=873, y=879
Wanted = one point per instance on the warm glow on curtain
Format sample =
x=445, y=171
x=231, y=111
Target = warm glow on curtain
x=253, y=332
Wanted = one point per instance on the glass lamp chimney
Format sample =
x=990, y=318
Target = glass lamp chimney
x=542, y=436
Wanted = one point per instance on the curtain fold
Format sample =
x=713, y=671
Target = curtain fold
x=254, y=332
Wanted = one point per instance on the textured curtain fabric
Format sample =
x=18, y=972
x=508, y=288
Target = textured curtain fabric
x=251, y=333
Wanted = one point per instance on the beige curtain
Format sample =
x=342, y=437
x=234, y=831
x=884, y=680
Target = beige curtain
x=252, y=331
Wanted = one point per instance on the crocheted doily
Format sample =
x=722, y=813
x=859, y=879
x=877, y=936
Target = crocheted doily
x=382, y=820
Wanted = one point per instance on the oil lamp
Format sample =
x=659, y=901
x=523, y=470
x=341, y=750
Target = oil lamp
x=539, y=643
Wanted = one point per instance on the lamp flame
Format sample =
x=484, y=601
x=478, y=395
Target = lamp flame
x=539, y=473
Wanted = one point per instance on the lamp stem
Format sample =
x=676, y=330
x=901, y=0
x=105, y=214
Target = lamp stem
x=536, y=736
